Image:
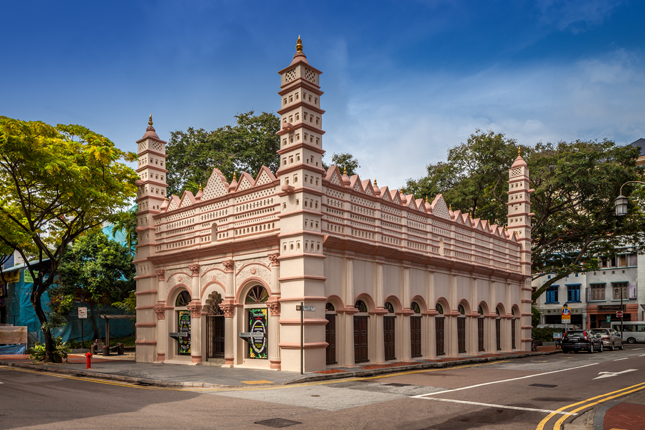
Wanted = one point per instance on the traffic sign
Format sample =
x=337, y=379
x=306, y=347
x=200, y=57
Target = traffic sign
x=619, y=314
x=306, y=308
x=566, y=315
x=82, y=313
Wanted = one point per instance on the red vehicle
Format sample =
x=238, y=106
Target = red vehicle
x=582, y=340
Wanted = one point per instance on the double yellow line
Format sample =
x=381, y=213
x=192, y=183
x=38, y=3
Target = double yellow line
x=588, y=403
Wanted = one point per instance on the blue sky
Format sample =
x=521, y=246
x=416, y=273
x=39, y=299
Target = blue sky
x=404, y=80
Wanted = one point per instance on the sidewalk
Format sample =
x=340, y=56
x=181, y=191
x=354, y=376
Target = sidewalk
x=625, y=414
x=183, y=376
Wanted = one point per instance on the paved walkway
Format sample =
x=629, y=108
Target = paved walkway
x=176, y=375
x=624, y=414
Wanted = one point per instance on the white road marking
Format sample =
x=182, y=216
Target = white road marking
x=636, y=349
x=611, y=374
x=622, y=359
x=506, y=380
x=642, y=355
x=488, y=405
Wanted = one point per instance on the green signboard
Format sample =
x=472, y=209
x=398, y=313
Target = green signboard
x=184, y=327
x=608, y=318
x=258, y=324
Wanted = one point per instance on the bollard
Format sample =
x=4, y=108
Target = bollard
x=89, y=360
x=120, y=349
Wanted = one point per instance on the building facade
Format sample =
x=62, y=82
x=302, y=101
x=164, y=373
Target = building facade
x=388, y=277
x=595, y=297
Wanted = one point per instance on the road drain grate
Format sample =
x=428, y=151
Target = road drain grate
x=543, y=385
x=277, y=423
x=396, y=384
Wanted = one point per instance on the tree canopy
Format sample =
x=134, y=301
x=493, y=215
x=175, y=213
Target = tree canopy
x=95, y=270
x=344, y=161
x=575, y=186
x=56, y=183
x=246, y=146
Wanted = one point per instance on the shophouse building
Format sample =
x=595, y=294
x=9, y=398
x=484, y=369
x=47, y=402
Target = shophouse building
x=385, y=276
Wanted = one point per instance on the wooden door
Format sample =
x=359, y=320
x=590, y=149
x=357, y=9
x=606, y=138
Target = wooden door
x=498, y=333
x=513, y=333
x=330, y=337
x=439, y=323
x=461, y=334
x=360, y=339
x=480, y=334
x=215, y=336
x=415, y=336
x=388, y=332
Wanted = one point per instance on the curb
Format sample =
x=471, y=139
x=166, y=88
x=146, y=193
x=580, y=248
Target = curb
x=313, y=378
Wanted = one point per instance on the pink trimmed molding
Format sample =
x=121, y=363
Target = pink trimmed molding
x=378, y=311
x=303, y=299
x=196, y=359
x=229, y=361
x=310, y=345
x=161, y=356
x=145, y=342
x=151, y=324
x=305, y=277
x=275, y=365
x=143, y=293
x=296, y=321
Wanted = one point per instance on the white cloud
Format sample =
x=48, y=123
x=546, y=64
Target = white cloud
x=396, y=129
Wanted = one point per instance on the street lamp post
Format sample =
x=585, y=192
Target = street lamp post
x=621, y=201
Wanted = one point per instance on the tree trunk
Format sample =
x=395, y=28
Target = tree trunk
x=42, y=318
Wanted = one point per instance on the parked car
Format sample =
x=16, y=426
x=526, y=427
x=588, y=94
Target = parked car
x=610, y=338
x=582, y=340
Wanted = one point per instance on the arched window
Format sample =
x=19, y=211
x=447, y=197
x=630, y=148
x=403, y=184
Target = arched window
x=439, y=309
x=389, y=307
x=497, y=311
x=257, y=295
x=480, y=310
x=329, y=307
x=361, y=306
x=214, y=232
x=182, y=299
x=416, y=308
x=461, y=309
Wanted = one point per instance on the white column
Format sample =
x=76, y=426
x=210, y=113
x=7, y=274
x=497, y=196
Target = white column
x=160, y=312
x=274, y=314
x=195, y=308
x=406, y=339
x=228, y=307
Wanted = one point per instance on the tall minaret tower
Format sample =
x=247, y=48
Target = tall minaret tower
x=301, y=242
x=151, y=192
x=519, y=223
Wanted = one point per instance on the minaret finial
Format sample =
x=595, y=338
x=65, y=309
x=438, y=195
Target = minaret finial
x=519, y=151
x=426, y=199
x=200, y=186
x=299, y=44
x=234, y=177
x=375, y=182
x=345, y=170
x=150, y=121
x=450, y=207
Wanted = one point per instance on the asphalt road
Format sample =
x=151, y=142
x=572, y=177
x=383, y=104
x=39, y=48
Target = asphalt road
x=518, y=394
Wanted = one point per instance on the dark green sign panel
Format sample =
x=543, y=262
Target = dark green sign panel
x=258, y=322
x=184, y=327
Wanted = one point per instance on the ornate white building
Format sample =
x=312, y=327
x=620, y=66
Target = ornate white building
x=390, y=277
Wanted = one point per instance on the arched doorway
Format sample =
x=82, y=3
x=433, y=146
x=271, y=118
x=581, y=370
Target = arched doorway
x=415, y=331
x=439, y=330
x=257, y=321
x=513, y=329
x=480, y=329
x=389, y=332
x=215, y=327
x=183, y=323
x=330, y=333
x=461, y=329
x=360, y=333
x=498, y=328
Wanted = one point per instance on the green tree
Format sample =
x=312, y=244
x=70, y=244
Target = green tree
x=56, y=183
x=246, y=146
x=344, y=160
x=575, y=186
x=96, y=270
x=125, y=223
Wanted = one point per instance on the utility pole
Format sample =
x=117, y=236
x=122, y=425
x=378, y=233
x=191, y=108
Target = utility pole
x=622, y=313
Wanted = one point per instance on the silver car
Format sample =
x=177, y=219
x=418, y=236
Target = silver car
x=610, y=338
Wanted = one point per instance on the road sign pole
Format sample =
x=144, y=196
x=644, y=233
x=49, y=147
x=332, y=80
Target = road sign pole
x=302, y=346
x=82, y=335
x=621, y=313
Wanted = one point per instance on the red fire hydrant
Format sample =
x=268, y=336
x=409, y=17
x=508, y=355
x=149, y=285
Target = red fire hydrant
x=89, y=359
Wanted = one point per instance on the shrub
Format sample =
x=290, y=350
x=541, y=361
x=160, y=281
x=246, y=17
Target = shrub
x=61, y=349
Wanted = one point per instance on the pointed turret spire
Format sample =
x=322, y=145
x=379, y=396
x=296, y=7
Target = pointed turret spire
x=299, y=44
x=150, y=121
x=150, y=131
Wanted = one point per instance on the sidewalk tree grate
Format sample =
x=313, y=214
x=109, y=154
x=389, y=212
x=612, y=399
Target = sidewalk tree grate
x=277, y=423
x=543, y=385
